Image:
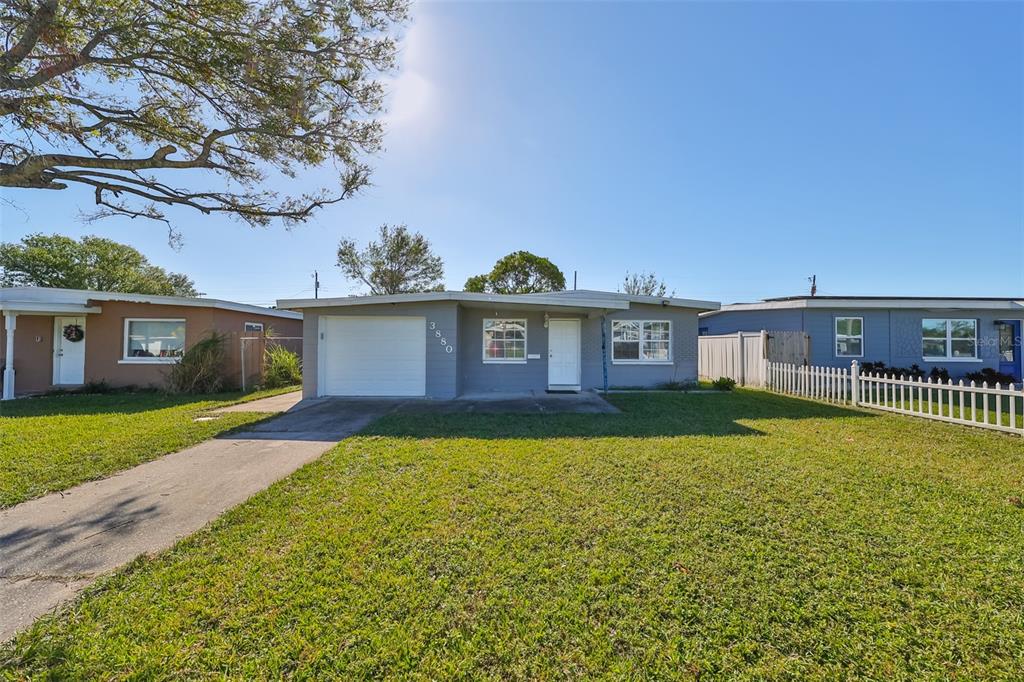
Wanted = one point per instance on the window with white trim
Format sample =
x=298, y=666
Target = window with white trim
x=253, y=327
x=849, y=337
x=153, y=340
x=641, y=341
x=504, y=340
x=949, y=339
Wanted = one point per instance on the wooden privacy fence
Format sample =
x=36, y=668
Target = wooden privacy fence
x=744, y=356
x=984, y=406
x=253, y=349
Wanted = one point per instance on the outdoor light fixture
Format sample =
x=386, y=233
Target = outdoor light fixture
x=546, y=318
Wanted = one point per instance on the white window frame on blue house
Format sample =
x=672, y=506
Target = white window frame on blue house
x=847, y=337
x=641, y=359
x=489, y=327
x=948, y=339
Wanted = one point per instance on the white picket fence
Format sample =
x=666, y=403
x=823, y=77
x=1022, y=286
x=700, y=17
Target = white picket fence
x=830, y=384
x=987, y=407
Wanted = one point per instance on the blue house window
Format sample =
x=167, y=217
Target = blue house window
x=505, y=341
x=849, y=337
x=641, y=341
x=946, y=340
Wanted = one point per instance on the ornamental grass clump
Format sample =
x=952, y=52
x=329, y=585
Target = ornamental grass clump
x=281, y=367
x=201, y=368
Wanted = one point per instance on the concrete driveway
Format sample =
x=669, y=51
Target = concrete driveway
x=52, y=547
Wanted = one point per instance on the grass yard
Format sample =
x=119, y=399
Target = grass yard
x=54, y=443
x=717, y=536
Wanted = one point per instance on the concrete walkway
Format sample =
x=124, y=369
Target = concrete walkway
x=52, y=547
x=285, y=402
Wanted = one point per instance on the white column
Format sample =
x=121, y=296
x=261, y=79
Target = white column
x=9, y=322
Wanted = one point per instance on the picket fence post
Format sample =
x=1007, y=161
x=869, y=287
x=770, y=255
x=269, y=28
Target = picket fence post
x=854, y=382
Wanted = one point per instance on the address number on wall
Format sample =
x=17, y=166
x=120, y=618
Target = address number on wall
x=448, y=348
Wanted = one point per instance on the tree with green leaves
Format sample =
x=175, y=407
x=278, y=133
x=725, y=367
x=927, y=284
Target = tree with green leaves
x=401, y=262
x=520, y=272
x=127, y=98
x=645, y=284
x=92, y=263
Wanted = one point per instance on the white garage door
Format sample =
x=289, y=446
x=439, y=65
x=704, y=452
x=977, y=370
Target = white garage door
x=373, y=356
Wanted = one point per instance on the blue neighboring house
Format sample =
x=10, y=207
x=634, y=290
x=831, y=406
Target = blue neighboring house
x=961, y=335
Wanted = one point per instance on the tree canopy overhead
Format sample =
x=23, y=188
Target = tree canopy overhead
x=93, y=263
x=520, y=272
x=400, y=263
x=124, y=96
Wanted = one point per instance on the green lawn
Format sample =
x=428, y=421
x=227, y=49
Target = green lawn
x=715, y=536
x=54, y=443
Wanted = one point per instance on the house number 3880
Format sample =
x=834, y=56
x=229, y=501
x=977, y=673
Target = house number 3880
x=448, y=348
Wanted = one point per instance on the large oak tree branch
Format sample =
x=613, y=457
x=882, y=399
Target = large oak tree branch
x=97, y=95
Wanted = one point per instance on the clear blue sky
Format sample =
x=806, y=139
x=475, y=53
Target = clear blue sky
x=733, y=148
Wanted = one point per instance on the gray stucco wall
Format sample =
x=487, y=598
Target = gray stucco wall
x=463, y=370
x=684, y=349
x=479, y=377
x=442, y=367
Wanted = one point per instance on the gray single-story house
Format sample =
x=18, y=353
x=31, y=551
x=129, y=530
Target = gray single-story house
x=962, y=335
x=453, y=343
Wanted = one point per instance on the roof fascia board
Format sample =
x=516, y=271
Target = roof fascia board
x=47, y=296
x=874, y=304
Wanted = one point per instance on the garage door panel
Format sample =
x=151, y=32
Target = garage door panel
x=374, y=356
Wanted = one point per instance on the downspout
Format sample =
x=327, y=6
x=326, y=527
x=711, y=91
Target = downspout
x=604, y=351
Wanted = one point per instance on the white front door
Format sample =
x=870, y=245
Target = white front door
x=564, y=354
x=68, y=355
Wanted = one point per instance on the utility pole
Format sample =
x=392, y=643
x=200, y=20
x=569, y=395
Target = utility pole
x=813, y=279
x=316, y=284
x=574, y=280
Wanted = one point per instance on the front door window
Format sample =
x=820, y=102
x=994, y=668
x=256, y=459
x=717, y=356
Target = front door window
x=1009, y=348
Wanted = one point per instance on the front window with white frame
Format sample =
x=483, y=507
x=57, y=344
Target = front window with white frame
x=253, y=327
x=153, y=340
x=945, y=340
x=505, y=340
x=641, y=341
x=849, y=337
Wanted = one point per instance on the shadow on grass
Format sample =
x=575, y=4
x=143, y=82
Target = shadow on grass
x=650, y=415
x=103, y=403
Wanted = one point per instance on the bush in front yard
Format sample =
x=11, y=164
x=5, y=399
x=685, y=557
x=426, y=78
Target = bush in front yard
x=281, y=367
x=723, y=384
x=201, y=369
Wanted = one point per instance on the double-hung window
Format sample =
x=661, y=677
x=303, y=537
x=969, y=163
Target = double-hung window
x=641, y=341
x=153, y=340
x=849, y=337
x=505, y=340
x=944, y=340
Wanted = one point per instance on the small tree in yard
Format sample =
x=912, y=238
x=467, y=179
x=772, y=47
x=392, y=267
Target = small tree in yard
x=645, y=284
x=400, y=263
x=127, y=99
x=520, y=272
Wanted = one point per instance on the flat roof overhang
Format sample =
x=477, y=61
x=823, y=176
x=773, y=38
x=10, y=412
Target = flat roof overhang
x=40, y=308
x=470, y=300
